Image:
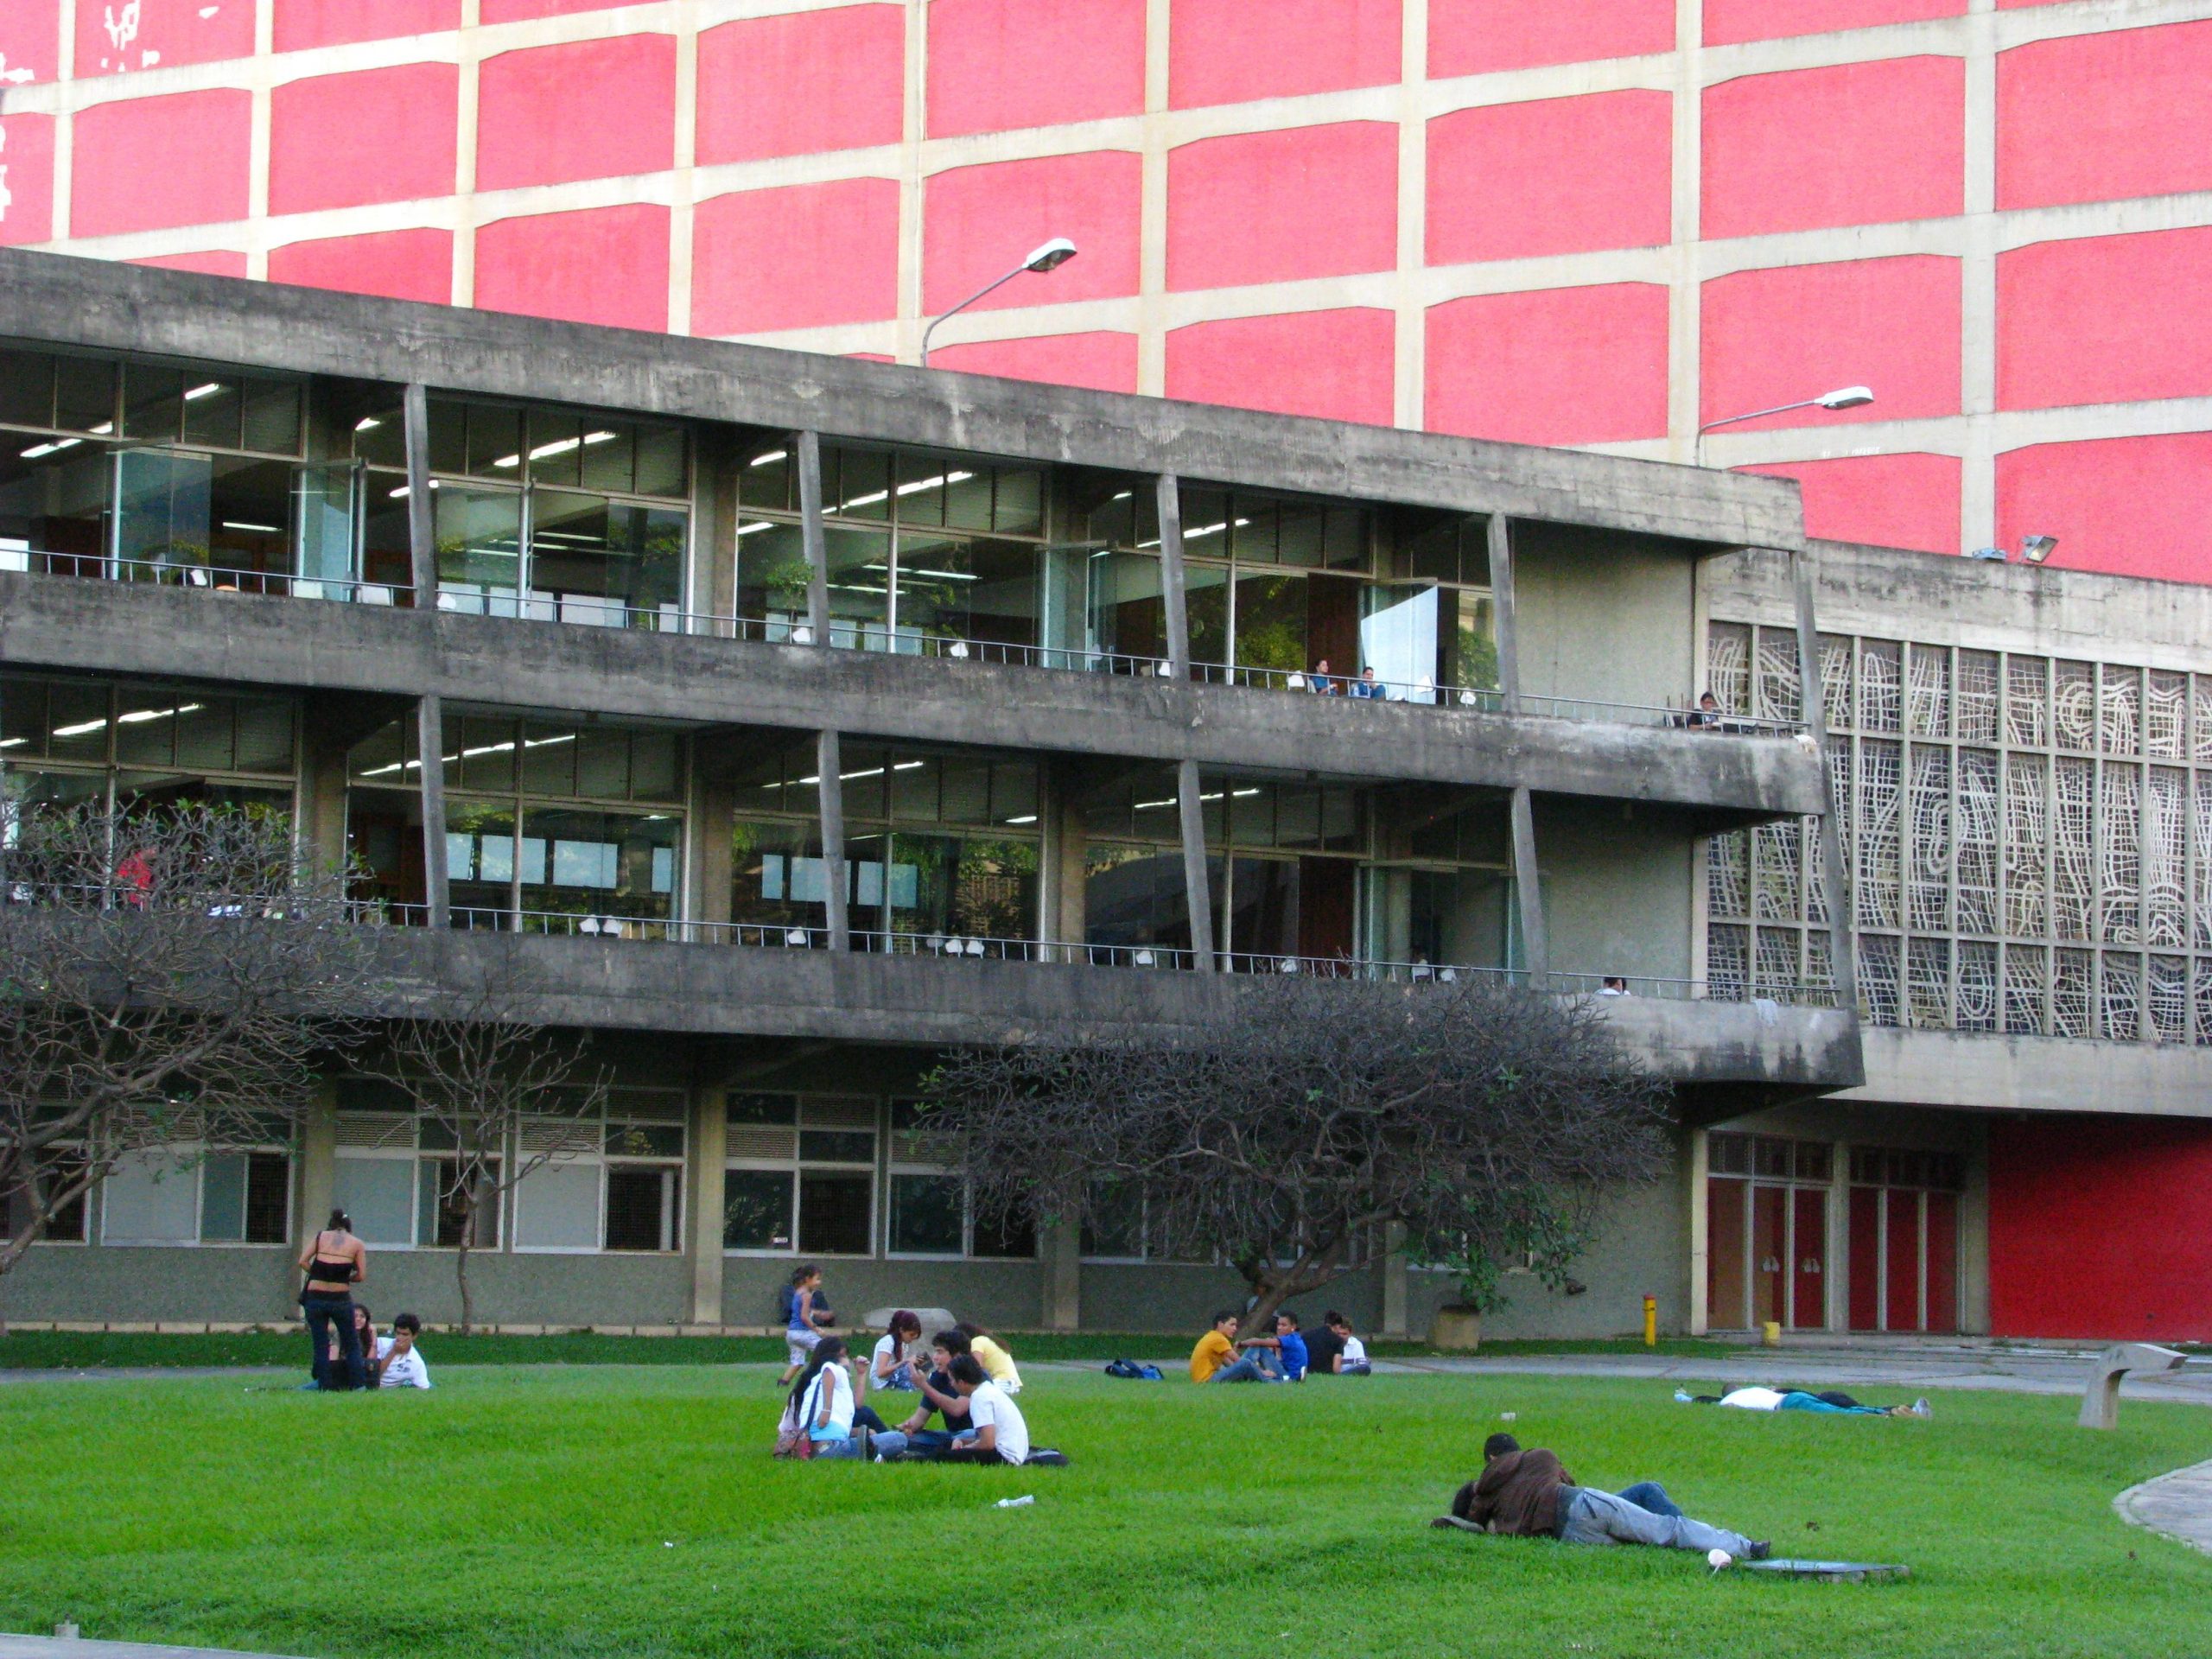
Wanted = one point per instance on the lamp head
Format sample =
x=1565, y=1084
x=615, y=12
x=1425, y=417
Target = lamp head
x=1846, y=397
x=1988, y=555
x=2035, y=549
x=1051, y=256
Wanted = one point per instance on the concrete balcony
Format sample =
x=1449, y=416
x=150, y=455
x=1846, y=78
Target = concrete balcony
x=298, y=644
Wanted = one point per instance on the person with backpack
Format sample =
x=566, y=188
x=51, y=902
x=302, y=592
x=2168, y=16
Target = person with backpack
x=805, y=1316
x=823, y=1411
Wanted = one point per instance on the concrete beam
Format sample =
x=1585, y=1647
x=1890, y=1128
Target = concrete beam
x=108, y=306
x=253, y=640
x=1984, y=1070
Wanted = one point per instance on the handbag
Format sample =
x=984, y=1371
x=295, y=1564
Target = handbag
x=792, y=1439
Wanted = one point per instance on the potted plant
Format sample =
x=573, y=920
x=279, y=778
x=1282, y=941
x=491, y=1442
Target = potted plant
x=1539, y=1233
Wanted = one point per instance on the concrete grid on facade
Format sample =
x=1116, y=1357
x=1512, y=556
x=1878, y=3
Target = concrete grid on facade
x=1595, y=223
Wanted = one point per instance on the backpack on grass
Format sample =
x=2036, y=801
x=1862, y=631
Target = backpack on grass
x=1130, y=1369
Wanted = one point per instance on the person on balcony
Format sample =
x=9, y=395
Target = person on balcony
x=1322, y=681
x=1368, y=686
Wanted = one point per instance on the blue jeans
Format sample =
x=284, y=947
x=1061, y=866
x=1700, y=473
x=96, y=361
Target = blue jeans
x=1247, y=1370
x=1593, y=1517
x=323, y=1310
x=1649, y=1495
x=888, y=1444
x=1797, y=1400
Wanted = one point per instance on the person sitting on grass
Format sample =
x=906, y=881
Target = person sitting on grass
x=1284, y=1354
x=1832, y=1400
x=1214, y=1358
x=825, y=1404
x=1335, y=1351
x=805, y=1316
x=938, y=1395
x=997, y=1363
x=399, y=1361
x=997, y=1433
x=1526, y=1494
x=892, y=1363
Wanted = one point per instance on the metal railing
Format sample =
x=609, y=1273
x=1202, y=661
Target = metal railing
x=592, y=610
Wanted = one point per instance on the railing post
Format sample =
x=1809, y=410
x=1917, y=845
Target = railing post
x=1812, y=705
x=811, y=538
x=422, y=509
x=830, y=791
x=431, y=746
x=1500, y=590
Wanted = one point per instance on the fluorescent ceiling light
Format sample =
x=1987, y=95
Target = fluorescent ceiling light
x=1026, y=818
x=265, y=530
x=368, y=424
x=207, y=390
x=770, y=459
x=758, y=524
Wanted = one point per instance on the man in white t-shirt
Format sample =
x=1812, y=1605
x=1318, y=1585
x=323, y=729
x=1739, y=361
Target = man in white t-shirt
x=399, y=1362
x=999, y=1433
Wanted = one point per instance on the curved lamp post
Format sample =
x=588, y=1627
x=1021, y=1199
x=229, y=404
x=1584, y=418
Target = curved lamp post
x=1049, y=256
x=1842, y=397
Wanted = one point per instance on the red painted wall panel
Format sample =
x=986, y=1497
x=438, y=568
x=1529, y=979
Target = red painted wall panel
x=2137, y=121
x=1102, y=360
x=2105, y=320
x=1890, y=324
x=797, y=256
x=1336, y=366
x=508, y=11
x=2135, y=505
x=1554, y=175
x=1231, y=51
x=603, y=264
x=978, y=222
x=2100, y=1228
x=1558, y=365
x=1859, y=143
x=995, y=65
x=148, y=163
x=300, y=24
x=1909, y=500
x=801, y=82
x=163, y=34
x=213, y=263
x=25, y=179
x=379, y=135
x=31, y=42
x=1474, y=37
x=1728, y=20
x=586, y=110
x=1280, y=207
x=397, y=264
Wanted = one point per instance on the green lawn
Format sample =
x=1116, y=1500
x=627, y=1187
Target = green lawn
x=567, y=1511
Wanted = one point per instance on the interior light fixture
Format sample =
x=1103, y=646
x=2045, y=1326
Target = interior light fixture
x=207, y=390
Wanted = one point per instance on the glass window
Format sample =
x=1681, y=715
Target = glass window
x=558, y=1207
x=557, y=439
x=83, y=394
x=1005, y=1237
x=772, y=575
x=757, y=1210
x=576, y=862
x=1207, y=606
x=776, y=875
x=597, y=561
x=479, y=549
x=492, y=445
x=769, y=478
x=480, y=854
x=272, y=417
x=860, y=586
x=163, y=502
x=153, y=401
x=1128, y=614
x=927, y=1215
x=1271, y=622
x=834, y=1212
x=213, y=407
x=856, y=483
x=662, y=454
x=25, y=388
x=642, y=1207
x=54, y=499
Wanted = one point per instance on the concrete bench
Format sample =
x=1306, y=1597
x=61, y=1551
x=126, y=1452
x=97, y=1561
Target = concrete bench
x=2101, y=1400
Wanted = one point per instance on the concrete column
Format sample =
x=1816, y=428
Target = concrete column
x=831, y=790
x=322, y=801
x=1200, y=895
x=1392, y=1270
x=1061, y=1257
x=1701, y=1314
x=808, y=446
x=318, y=1169
x=1071, y=922
x=1813, y=706
x=1501, y=589
x=1527, y=889
x=1838, y=1273
x=422, y=508
x=714, y=808
x=431, y=737
x=1173, y=589
x=1974, y=1236
x=702, y=1181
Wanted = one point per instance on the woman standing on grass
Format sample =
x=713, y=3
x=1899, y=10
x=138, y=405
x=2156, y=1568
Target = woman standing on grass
x=334, y=1262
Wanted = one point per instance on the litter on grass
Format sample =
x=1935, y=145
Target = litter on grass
x=1831, y=1572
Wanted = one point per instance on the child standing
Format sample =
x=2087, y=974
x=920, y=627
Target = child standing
x=805, y=1315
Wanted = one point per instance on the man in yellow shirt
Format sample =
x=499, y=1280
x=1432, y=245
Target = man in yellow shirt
x=1214, y=1360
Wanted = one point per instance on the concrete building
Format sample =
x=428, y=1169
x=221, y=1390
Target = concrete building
x=1596, y=223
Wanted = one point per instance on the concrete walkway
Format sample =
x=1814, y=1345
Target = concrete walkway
x=2179, y=1505
x=47, y=1647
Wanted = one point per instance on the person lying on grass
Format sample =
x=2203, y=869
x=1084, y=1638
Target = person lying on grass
x=938, y=1395
x=1832, y=1400
x=1214, y=1360
x=1526, y=1494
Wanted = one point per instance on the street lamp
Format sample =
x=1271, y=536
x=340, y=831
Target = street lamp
x=1842, y=397
x=1049, y=256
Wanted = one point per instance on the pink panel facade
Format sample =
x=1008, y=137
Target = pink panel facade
x=148, y=163
x=25, y=179
x=1909, y=500
x=213, y=263
x=31, y=42
x=795, y=258
x=2138, y=117
x=2105, y=320
x=1860, y=144
x=2137, y=505
x=600, y=264
x=1773, y=337
x=586, y=110
x=1476, y=37
x=1231, y=51
x=510, y=11
x=397, y=264
x=1282, y=206
x=1335, y=365
x=801, y=82
x=1558, y=365
x=978, y=222
x=378, y=135
x=300, y=24
x=159, y=34
x=1554, y=175
x=1102, y=360
x=1727, y=22
x=997, y=65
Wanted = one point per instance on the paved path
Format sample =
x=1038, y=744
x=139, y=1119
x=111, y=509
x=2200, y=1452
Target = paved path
x=47, y=1647
x=2179, y=1506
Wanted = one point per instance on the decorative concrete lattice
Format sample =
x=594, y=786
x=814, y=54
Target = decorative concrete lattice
x=2027, y=841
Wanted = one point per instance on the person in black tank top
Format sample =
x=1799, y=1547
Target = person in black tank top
x=334, y=1262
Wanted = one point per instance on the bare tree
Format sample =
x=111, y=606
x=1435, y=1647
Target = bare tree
x=507, y=1096
x=167, y=978
x=1322, y=1114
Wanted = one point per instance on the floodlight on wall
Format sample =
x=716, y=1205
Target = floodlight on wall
x=1046, y=257
x=1841, y=397
x=1988, y=555
x=2035, y=549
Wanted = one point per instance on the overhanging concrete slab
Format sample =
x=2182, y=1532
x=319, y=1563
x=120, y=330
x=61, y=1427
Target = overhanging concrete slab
x=1978, y=1071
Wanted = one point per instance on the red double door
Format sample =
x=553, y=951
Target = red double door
x=1766, y=1255
x=1904, y=1259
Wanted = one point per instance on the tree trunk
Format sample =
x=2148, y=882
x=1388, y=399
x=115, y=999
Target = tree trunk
x=460, y=1262
x=1271, y=1288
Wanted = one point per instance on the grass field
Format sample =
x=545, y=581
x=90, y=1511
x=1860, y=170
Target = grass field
x=546, y=1511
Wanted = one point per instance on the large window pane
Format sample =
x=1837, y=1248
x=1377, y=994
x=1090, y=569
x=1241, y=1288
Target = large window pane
x=1263, y=907
x=1271, y=622
x=833, y=1213
x=641, y=1208
x=1135, y=896
x=479, y=549
x=250, y=510
x=162, y=502
x=379, y=1194
x=480, y=854
x=1207, y=605
x=926, y=1214
x=54, y=499
x=1468, y=652
x=593, y=560
x=556, y=1207
x=1128, y=616
x=859, y=588
x=776, y=875
x=580, y=862
x=151, y=1199
x=757, y=1210
x=772, y=575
